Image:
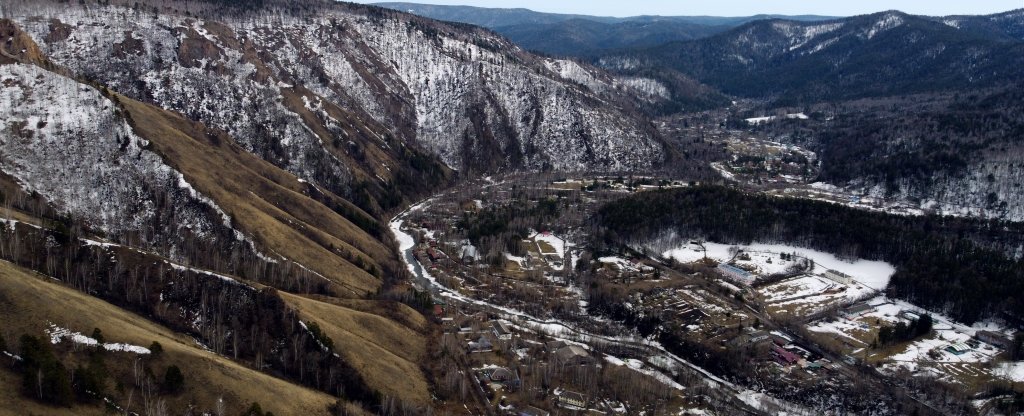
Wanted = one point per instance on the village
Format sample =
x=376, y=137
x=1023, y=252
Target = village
x=549, y=321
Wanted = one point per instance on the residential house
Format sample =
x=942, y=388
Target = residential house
x=759, y=336
x=506, y=377
x=751, y=338
x=739, y=341
x=501, y=329
x=784, y=357
x=571, y=398
x=573, y=355
x=781, y=339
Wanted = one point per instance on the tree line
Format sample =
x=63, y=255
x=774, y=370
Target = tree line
x=959, y=266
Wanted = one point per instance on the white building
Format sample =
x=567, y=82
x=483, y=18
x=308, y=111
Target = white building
x=838, y=277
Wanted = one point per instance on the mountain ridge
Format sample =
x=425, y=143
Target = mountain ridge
x=871, y=55
x=493, y=17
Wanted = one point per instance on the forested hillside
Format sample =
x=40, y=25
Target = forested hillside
x=966, y=268
x=889, y=53
x=949, y=153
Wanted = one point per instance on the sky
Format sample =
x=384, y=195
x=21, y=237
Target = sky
x=624, y=8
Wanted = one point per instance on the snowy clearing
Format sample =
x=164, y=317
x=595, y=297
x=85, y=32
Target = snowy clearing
x=873, y=274
x=57, y=334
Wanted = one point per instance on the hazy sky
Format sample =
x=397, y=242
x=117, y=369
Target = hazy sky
x=741, y=7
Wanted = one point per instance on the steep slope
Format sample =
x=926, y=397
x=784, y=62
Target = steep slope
x=339, y=94
x=179, y=198
x=247, y=325
x=33, y=303
x=959, y=154
x=162, y=194
x=387, y=349
x=874, y=55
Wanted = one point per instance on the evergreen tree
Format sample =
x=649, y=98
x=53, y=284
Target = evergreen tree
x=43, y=377
x=174, y=380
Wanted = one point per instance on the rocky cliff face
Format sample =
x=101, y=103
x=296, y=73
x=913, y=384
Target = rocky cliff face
x=334, y=95
x=68, y=142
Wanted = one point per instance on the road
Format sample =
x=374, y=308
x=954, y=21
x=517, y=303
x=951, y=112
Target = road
x=728, y=392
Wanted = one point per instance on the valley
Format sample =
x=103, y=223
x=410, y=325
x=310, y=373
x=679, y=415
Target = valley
x=309, y=207
x=505, y=295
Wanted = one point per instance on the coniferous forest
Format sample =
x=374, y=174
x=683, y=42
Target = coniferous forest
x=965, y=268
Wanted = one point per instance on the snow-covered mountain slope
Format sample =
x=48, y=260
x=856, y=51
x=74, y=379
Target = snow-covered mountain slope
x=146, y=208
x=333, y=95
x=71, y=144
x=154, y=187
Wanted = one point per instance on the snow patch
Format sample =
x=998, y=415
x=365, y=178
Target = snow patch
x=57, y=334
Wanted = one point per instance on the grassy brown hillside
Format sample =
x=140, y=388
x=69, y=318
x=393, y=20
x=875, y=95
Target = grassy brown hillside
x=31, y=302
x=258, y=348
x=268, y=203
x=386, y=352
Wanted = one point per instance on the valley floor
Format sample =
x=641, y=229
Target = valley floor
x=529, y=314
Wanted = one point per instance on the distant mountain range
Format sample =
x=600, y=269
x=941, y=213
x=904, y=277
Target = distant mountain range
x=583, y=35
x=872, y=55
x=791, y=59
x=498, y=17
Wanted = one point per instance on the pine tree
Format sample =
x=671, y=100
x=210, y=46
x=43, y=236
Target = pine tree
x=174, y=380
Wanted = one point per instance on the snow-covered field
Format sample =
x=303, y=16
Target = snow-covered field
x=557, y=243
x=1011, y=371
x=797, y=288
x=758, y=120
x=873, y=274
x=927, y=356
